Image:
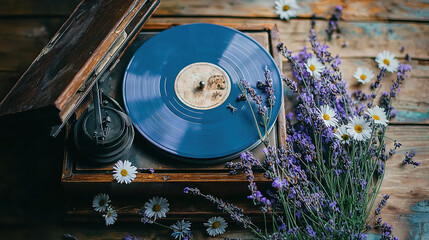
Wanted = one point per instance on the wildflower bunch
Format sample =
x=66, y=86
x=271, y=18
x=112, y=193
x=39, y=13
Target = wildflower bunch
x=101, y=203
x=325, y=180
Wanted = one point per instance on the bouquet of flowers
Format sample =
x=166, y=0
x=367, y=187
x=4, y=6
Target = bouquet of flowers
x=325, y=180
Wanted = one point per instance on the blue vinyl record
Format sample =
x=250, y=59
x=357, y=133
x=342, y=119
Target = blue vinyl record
x=178, y=85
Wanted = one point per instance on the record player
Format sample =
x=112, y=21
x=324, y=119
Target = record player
x=78, y=80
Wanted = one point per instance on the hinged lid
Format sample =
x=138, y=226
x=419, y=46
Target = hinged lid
x=85, y=48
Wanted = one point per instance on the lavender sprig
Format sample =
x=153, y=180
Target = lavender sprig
x=236, y=213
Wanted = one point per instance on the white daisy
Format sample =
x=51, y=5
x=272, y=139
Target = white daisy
x=363, y=75
x=327, y=114
x=314, y=67
x=378, y=115
x=181, y=228
x=286, y=8
x=342, y=135
x=157, y=207
x=216, y=225
x=388, y=61
x=110, y=216
x=358, y=128
x=100, y=202
x=124, y=172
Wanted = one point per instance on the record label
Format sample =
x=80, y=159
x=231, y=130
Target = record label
x=202, y=85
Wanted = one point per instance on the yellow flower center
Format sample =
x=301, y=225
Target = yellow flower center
x=215, y=225
x=363, y=77
x=101, y=202
x=109, y=214
x=156, y=208
x=326, y=116
x=312, y=67
x=345, y=137
x=358, y=128
x=376, y=117
x=286, y=7
x=386, y=61
x=124, y=172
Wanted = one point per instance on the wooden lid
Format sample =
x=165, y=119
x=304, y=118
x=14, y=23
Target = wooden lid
x=88, y=44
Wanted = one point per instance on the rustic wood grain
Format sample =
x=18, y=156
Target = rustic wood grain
x=386, y=10
x=353, y=10
x=38, y=8
x=407, y=185
x=370, y=27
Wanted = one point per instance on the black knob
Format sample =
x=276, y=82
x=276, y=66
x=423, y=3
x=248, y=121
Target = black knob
x=202, y=85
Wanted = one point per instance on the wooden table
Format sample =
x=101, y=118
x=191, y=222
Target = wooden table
x=32, y=199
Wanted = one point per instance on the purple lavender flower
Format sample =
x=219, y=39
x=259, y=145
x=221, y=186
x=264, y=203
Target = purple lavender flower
x=277, y=183
x=333, y=22
x=128, y=237
x=409, y=159
x=310, y=231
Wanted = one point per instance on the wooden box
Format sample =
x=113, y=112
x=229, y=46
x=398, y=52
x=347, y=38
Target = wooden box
x=143, y=154
x=170, y=176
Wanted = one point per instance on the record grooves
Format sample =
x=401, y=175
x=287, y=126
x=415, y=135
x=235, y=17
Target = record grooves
x=179, y=82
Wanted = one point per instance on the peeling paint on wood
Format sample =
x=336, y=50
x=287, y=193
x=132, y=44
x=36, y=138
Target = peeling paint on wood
x=419, y=221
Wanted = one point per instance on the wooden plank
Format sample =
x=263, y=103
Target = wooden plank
x=38, y=8
x=386, y=9
x=7, y=80
x=353, y=10
x=406, y=185
x=254, y=9
x=98, y=231
x=21, y=40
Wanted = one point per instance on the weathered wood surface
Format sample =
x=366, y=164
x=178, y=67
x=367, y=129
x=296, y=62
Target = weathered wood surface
x=407, y=185
x=27, y=25
x=353, y=10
